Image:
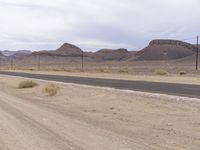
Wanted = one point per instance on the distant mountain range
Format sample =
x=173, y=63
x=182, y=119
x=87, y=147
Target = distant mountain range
x=11, y=53
x=160, y=49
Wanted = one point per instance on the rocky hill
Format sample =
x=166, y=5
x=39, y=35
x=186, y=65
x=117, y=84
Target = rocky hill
x=2, y=57
x=166, y=50
x=111, y=54
x=156, y=50
x=65, y=50
x=69, y=49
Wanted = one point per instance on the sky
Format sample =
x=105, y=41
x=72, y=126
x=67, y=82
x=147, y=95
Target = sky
x=95, y=24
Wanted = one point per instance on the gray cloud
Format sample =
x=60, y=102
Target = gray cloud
x=94, y=24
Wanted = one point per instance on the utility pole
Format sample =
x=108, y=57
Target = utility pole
x=82, y=61
x=11, y=63
x=39, y=62
x=197, y=53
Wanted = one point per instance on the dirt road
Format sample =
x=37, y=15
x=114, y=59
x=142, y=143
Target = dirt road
x=80, y=118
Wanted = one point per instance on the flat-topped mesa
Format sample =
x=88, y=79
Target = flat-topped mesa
x=166, y=50
x=171, y=42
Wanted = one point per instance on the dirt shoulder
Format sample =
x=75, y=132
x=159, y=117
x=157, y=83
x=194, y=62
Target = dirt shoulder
x=185, y=79
x=92, y=118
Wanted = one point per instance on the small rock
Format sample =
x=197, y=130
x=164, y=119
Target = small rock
x=169, y=124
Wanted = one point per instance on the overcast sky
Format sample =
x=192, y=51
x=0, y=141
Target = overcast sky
x=95, y=24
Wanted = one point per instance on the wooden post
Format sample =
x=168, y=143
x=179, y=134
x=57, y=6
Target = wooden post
x=39, y=62
x=82, y=61
x=197, y=53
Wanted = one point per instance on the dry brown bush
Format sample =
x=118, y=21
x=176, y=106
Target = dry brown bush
x=51, y=89
x=161, y=72
x=27, y=84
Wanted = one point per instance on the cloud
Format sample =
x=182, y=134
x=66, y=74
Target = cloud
x=92, y=24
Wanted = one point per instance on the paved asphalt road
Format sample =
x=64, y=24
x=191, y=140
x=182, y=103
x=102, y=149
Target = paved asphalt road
x=155, y=87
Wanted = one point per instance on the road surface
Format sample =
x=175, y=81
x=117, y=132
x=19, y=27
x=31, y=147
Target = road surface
x=187, y=90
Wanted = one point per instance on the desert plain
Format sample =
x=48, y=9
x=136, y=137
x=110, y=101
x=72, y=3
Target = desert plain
x=82, y=117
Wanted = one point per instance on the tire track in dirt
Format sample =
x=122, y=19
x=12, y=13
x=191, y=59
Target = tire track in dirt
x=62, y=132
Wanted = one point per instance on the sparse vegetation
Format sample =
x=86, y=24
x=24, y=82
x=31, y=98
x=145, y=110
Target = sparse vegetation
x=51, y=89
x=124, y=70
x=182, y=73
x=112, y=108
x=104, y=70
x=58, y=69
x=27, y=84
x=161, y=72
x=30, y=69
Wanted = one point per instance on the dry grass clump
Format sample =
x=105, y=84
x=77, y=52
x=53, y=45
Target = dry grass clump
x=182, y=73
x=124, y=70
x=27, y=84
x=51, y=89
x=104, y=71
x=161, y=72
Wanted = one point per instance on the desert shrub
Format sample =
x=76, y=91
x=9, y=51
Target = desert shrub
x=27, y=84
x=30, y=69
x=124, y=70
x=103, y=70
x=182, y=73
x=161, y=72
x=51, y=89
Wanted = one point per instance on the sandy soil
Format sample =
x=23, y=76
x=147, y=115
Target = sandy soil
x=91, y=118
x=194, y=79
